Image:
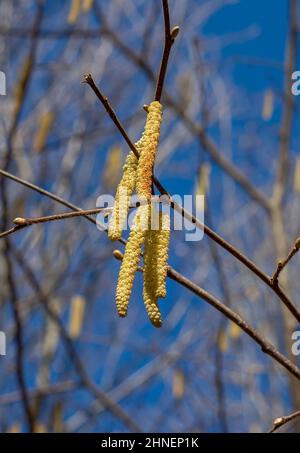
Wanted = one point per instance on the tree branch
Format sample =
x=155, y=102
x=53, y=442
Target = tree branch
x=170, y=36
x=280, y=421
x=20, y=221
x=281, y=264
x=197, y=130
x=266, y=347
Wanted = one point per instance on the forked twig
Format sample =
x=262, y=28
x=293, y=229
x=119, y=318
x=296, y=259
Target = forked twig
x=281, y=264
x=170, y=36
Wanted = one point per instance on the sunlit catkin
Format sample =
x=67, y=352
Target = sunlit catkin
x=162, y=239
x=123, y=195
x=131, y=259
x=138, y=174
x=148, y=150
x=150, y=279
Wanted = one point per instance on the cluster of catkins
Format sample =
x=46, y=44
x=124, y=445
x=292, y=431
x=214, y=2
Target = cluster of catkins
x=150, y=227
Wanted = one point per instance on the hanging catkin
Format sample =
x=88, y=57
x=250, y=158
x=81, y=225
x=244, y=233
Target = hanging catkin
x=138, y=174
x=161, y=246
x=156, y=266
x=150, y=279
x=131, y=259
x=123, y=195
x=148, y=151
x=144, y=191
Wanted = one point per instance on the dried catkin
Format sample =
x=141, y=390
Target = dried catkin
x=162, y=239
x=131, y=259
x=148, y=151
x=123, y=195
x=150, y=280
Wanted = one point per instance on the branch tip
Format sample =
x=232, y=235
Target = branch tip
x=87, y=78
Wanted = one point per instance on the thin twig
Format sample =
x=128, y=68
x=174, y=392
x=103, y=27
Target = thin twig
x=23, y=222
x=170, y=36
x=11, y=230
x=26, y=221
x=266, y=347
x=281, y=264
x=197, y=130
x=280, y=421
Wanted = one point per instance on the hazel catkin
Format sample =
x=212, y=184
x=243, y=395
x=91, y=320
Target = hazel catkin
x=131, y=259
x=148, y=151
x=150, y=280
x=162, y=239
x=138, y=174
x=123, y=195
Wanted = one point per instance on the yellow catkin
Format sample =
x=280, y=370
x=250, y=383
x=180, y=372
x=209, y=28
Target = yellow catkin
x=131, y=259
x=161, y=246
x=138, y=173
x=123, y=195
x=74, y=11
x=44, y=127
x=87, y=5
x=150, y=279
x=148, y=150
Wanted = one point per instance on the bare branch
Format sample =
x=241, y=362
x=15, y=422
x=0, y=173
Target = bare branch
x=64, y=215
x=280, y=421
x=22, y=222
x=170, y=36
x=197, y=130
x=266, y=347
x=281, y=264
